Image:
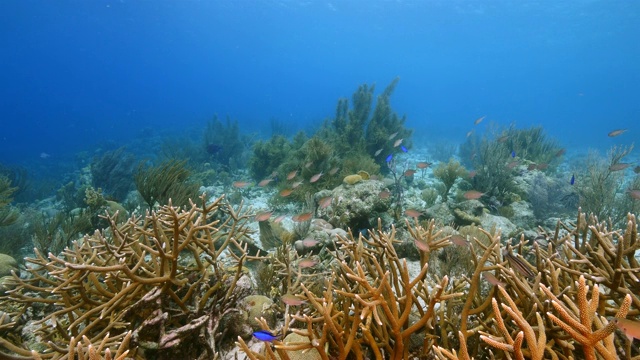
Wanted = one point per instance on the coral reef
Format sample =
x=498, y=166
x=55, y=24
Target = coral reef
x=448, y=173
x=158, y=279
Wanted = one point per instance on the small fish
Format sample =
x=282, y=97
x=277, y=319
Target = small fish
x=264, y=335
x=307, y=263
x=296, y=184
x=479, y=120
x=502, y=139
x=315, y=177
x=393, y=135
x=560, y=152
x=472, y=174
x=629, y=327
x=542, y=166
x=573, y=179
x=377, y=152
x=512, y=164
x=292, y=300
x=397, y=143
x=619, y=166
x=389, y=158
x=302, y=217
x=469, y=133
x=263, y=216
x=310, y=242
x=422, y=246
x=492, y=279
x=334, y=171
x=286, y=192
x=520, y=265
x=292, y=175
x=384, y=194
x=264, y=182
x=513, y=153
x=634, y=194
x=325, y=202
x=404, y=149
x=532, y=167
x=308, y=165
x=279, y=219
x=412, y=213
x=409, y=173
x=617, y=132
x=473, y=195
x=240, y=184
x=459, y=240
x=423, y=165
x=44, y=155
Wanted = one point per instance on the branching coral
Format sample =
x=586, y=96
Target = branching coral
x=159, y=276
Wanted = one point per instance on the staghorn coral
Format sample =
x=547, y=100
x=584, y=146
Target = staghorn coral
x=523, y=300
x=159, y=277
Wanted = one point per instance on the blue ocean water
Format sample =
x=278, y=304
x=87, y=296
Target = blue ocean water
x=80, y=74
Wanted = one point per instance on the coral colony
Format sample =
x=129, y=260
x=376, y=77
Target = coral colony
x=351, y=255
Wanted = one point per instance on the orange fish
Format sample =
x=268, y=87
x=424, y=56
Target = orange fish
x=561, y=152
x=472, y=174
x=459, y=240
x=384, y=194
x=634, y=194
x=315, y=178
x=302, y=217
x=241, y=184
x=296, y=184
x=479, y=120
x=307, y=263
x=619, y=166
x=423, y=165
x=532, y=167
x=412, y=213
x=292, y=175
x=422, y=246
x=492, y=279
x=473, y=195
x=264, y=182
x=279, y=219
x=310, y=242
x=263, y=216
x=512, y=164
x=615, y=133
x=629, y=327
x=397, y=143
x=286, y=192
x=409, y=173
x=542, y=166
x=325, y=202
x=291, y=300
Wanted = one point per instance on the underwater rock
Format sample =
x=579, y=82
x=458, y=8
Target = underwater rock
x=523, y=215
x=356, y=206
x=441, y=212
x=259, y=306
x=352, y=179
x=7, y=264
x=489, y=222
x=306, y=354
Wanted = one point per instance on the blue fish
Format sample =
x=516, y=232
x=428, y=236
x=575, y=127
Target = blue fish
x=573, y=179
x=403, y=148
x=264, y=335
x=389, y=158
x=513, y=153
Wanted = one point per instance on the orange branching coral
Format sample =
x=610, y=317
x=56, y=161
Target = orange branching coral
x=159, y=277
